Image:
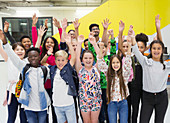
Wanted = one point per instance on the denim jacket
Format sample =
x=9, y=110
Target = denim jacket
x=66, y=75
x=26, y=89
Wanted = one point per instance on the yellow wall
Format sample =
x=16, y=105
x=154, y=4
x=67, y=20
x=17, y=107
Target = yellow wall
x=139, y=13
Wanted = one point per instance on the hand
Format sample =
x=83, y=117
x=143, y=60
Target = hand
x=67, y=38
x=106, y=23
x=46, y=22
x=34, y=20
x=6, y=26
x=50, y=51
x=56, y=23
x=157, y=21
x=76, y=23
x=101, y=54
x=110, y=32
x=64, y=23
x=80, y=39
x=5, y=102
x=41, y=31
x=131, y=32
x=121, y=26
x=91, y=38
x=2, y=37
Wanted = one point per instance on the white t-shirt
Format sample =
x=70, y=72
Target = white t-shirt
x=60, y=89
x=34, y=100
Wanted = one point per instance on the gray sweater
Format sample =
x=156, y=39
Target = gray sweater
x=154, y=77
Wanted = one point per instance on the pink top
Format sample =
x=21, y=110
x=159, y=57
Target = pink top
x=51, y=59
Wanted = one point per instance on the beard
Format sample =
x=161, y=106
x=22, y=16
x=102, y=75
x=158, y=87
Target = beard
x=96, y=34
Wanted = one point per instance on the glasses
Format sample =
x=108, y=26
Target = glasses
x=95, y=29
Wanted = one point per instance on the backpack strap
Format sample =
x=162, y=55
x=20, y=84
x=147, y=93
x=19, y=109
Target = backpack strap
x=23, y=73
x=44, y=69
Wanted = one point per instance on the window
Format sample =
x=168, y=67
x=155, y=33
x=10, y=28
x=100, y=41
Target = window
x=23, y=26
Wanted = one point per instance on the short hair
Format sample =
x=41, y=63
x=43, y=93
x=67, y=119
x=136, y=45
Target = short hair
x=86, y=40
x=92, y=25
x=71, y=30
x=142, y=37
x=25, y=36
x=33, y=49
x=61, y=53
x=18, y=44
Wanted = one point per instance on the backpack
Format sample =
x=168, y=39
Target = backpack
x=22, y=79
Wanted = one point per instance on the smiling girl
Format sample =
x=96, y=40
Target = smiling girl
x=89, y=84
x=155, y=75
x=13, y=78
x=117, y=89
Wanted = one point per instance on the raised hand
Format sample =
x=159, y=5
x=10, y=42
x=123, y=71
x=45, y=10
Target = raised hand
x=56, y=23
x=46, y=22
x=41, y=31
x=157, y=21
x=76, y=23
x=91, y=38
x=2, y=37
x=6, y=26
x=34, y=20
x=81, y=38
x=110, y=32
x=130, y=31
x=67, y=38
x=121, y=26
x=106, y=23
x=64, y=23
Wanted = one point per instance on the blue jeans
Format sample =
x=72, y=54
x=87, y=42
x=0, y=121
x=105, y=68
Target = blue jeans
x=36, y=116
x=66, y=113
x=121, y=107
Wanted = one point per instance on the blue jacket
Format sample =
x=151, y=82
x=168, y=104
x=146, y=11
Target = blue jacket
x=66, y=75
x=26, y=89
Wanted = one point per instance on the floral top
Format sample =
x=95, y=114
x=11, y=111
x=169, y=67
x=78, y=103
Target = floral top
x=115, y=92
x=89, y=86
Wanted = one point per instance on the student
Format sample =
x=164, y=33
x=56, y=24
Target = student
x=63, y=86
x=136, y=86
x=155, y=75
x=123, y=48
x=13, y=78
x=33, y=97
x=89, y=84
x=117, y=89
x=103, y=82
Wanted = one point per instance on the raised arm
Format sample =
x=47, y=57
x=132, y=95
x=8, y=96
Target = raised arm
x=78, y=52
x=76, y=26
x=158, y=25
x=3, y=53
x=105, y=24
x=64, y=26
x=92, y=40
x=67, y=38
x=7, y=34
x=41, y=32
x=57, y=24
x=120, y=41
x=11, y=54
x=135, y=49
x=34, y=30
x=46, y=29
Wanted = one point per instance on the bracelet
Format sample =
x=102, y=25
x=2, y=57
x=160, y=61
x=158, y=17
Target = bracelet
x=48, y=54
